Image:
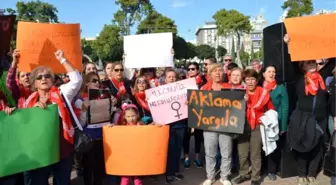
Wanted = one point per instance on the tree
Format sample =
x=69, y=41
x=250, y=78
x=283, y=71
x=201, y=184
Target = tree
x=244, y=57
x=156, y=23
x=233, y=23
x=32, y=11
x=88, y=49
x=205, y=51
x=109, y=45
x=130, y=12
x=233, y=53
x=298, y=8
x=180, y=47
x=191, y=50
x=221, y=51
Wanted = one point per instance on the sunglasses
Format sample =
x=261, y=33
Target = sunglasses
x=320, y=64
x=118, y=70
x=94, y=81
x=46, y=76
x=205, y=64
x=227, y=60
x=191, y=69
x=141, y=81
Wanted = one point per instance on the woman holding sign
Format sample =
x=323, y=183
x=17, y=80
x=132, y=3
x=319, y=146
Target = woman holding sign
x=279, y=99
x=42, y=79
x=213, y=139
x=249, y=144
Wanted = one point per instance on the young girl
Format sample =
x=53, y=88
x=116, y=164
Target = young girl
x=176, y=135
x=130, y=118
x=142, y=84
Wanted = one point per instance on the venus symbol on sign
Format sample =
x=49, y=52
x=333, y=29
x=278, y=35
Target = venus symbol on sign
x=176, y=107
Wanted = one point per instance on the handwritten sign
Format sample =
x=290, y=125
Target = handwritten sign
x=167, y=102
x=38, y=42
x=220, y=111
x=29, y=139
x=6, y=27
x=149, y=50
x=312, y=37
x=135, y=150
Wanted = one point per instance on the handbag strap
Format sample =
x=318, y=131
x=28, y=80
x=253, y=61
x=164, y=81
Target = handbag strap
x=314, y=105
x=75, y=122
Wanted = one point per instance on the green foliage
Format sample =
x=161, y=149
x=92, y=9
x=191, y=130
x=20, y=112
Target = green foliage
x=244, y=57
x=221, y=51
x=32, y=11
x=205, y=51
x=130, y=12
x=156, y=23
x=109, y=45
x=298, y=8
x=233, y=53
x=191, y=50
x=231, y=22
x=88, y=49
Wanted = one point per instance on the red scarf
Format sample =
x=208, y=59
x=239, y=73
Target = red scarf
x=313, y=82
x=141, y=99
x=119, y=85
x=24, y=94
x=269, y=86
x=260, y=99
x=198, y=79
x=56, y=98
x=231, y=86
x=208, y=86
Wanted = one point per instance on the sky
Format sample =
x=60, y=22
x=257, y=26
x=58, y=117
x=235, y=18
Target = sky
x=187, y=14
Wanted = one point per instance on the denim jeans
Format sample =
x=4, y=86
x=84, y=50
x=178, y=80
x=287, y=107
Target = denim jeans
x=61, y=172
x=176, y=136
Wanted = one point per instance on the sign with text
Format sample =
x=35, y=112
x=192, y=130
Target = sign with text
x=149, y=50
x=219, y=111
x=38, y=42
x=6, y=28
x=309, y=42
x=168, y=102
x=29, y=139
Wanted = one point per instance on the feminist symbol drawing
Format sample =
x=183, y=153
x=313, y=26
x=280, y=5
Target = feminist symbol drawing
x=176, y=106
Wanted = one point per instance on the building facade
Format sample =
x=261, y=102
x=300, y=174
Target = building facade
x=253, y=41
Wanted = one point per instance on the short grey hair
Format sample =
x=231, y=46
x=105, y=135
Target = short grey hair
x=35, y=72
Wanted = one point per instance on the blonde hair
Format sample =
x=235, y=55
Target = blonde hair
x=114, y=64
x=214, y=66
x=35, y=72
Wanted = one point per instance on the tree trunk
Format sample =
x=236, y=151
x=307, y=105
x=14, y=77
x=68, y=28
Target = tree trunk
x=239, y=63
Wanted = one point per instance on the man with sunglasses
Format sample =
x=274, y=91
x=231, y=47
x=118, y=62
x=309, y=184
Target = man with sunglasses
x=206, y=63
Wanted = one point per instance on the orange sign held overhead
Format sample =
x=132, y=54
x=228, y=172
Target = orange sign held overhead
x=312, y=37
x=38, y=42
x=135, y=150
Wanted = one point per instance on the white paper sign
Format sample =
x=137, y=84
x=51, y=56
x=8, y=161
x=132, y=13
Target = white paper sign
x=149, y=50
x=167, y=102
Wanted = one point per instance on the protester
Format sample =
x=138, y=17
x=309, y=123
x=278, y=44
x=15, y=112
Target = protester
x=150, y=74
x=20, y=89
x=176, y=135
x=213, y=139
x=42, y=79
x=256, y=65
x=228, y=69
x=206, y=63
x=249, y=144
x=236, y=77
x=142, y=84
x=90, y=67
x=193, y=72
x=93, y=160
x=279, y=99
x=332, y=118
x=227, y=59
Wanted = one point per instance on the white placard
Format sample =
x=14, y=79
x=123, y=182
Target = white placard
x=149, y=50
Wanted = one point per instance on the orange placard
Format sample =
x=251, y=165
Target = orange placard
x=37, y=43
x=135, y=150
x=312, y=37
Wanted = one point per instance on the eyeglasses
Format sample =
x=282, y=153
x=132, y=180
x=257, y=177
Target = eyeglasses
x=320, y=64
x=118, y=70
x=227, y=60
x=191, y=69
x=46, y=76
x=94, y=81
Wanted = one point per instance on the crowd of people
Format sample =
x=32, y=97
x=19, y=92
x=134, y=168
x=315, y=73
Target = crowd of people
x=223, y=152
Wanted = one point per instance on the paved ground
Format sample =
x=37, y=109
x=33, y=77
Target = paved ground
x=195, y=176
